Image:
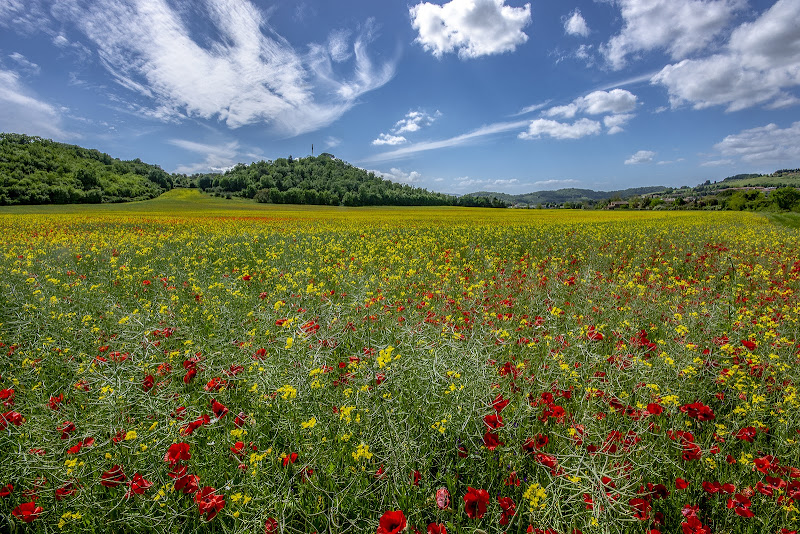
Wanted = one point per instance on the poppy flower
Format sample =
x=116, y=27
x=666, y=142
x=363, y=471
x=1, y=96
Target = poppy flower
x=392, y=522
x=66, y=428
x=148, y=383
x=68, y=489
x=442, y=498
x=188, y=484
x=238, y=448
x=289, y=458
x=219, y=409
x=27, y=511
x=176, y=453
x=493, y=421
x=271, y=526
x=55, y=401
x=208, y=502
x=741, y=505
x=491, y=440
x=499, y=403
x=507, y=508
x=6, y=490
x=699, y=411
x=415, y=477
x=137, y=486
x=641, y=508
x=475, y=502
x=749, y=345
x=436, y=528
x=747, y=434
x=113, y=477
x=693, y=525
x=240, y=420
x=655, y=409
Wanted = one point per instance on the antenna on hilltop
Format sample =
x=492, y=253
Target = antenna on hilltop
x=312, y=150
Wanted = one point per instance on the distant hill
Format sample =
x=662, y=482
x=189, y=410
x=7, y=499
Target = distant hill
x=325, y=180
x=569, y=195
x=40, y=171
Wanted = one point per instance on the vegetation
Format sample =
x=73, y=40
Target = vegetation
x=324, y=180
x=195, y=364
x=39, y=171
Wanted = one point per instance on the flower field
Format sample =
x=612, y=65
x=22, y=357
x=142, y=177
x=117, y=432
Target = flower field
x=180, y=367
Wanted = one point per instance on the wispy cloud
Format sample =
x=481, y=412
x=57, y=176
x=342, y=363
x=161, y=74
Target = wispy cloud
x=240, y=73
x=218, y=157
x=483, y=131
x=22, y=112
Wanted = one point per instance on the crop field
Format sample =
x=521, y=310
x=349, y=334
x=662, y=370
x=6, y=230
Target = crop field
x=194, y=364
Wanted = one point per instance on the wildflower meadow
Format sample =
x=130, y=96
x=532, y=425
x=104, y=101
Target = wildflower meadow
x=189, y=365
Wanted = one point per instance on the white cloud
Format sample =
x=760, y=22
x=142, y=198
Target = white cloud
x=596, y=103
x=614, y=123
x=560, y=130
x=473, y=28
x=400, y=176
x=642, y=156
x=501, y=183
x=483, y=131
x=717, y=163
x=240, y=73
x=531, y=108
x=576, y=24
x=678, y=26
x=331, y=141
x=389, y=139
x=22, y=113
x=24, y=63
x=218, y=157
x=761, y=61
x=764, y=144
x=414, y=121
x=551, y=183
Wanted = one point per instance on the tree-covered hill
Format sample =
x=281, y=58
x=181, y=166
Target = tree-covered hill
x=40, y=171
x=325, y=180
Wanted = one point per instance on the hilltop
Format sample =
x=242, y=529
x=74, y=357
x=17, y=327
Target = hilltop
x=34, y=170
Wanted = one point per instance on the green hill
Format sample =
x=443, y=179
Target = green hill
x=324, y=180
x=568, y=195
x=40, y=171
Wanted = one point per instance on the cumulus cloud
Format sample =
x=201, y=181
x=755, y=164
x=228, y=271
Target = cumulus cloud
x=239, y=72
x=472, y=28
x=678, y=26
x=761, y=61
x=414, y=121
x=554, y=183
x=400, y=176
x=614, y=123
x=501, y=183
x=768, y=143
x=575, y=24
x=560, y=130
x=642, y=156
x=21, y=112
x=389, y=139
x=596, y=103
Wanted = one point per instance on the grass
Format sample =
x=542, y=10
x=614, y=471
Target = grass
x=326, y=366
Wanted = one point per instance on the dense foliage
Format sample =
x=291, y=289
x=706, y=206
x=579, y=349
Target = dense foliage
x=40, y=171
x=324, y=180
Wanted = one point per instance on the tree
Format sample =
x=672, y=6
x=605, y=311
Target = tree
x=786, y=198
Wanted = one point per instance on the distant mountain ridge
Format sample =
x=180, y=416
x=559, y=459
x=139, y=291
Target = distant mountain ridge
x=571, y=195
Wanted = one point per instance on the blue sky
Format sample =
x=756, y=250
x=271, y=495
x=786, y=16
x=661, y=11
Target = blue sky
x=458, y=96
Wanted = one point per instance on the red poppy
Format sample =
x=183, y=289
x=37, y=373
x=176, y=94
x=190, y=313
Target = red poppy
x=176, y=453
x=27, y=512
x=493, y=421
x=442, y=498
x=699, y=411
x=593, y=334
x=148, y=382
x=415, y=477
x=747, y=434
x=219, y=409
x=499, y=403
x=6, y=490
x=749, y=345
x=289, y=458
x=692, y=525
x=66, y=490
x=137, y=486
x=475, y=502
x=186, y=483
x=209, y=503
x=491, y=440
x=763, y=464
x=240, y=420
x=641, y=508
x=238, y=448
x=507, y=508
x=113, y=477
x=655, y=409
x=436, y=528
x=55, y=402
x=392, y=522
x=271, y=526
x=741, y=505
x=66, y=428
x=194, y=425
